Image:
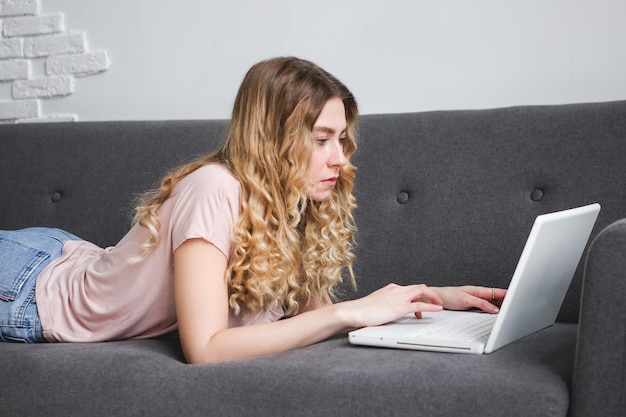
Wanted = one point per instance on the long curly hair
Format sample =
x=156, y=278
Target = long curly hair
x=287, y=248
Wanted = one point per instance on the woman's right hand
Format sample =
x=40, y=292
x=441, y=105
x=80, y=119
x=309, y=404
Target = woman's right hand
x=390, y=303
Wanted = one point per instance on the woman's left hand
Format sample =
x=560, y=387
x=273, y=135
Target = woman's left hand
x=467, y=297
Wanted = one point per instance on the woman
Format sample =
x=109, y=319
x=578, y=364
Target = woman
x=228, y=244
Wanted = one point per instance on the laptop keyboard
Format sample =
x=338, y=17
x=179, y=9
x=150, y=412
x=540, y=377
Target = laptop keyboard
x=466, y=328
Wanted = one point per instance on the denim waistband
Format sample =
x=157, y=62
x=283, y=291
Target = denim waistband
x=23, y=255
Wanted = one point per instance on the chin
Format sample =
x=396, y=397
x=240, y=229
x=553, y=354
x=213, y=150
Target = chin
x=320, y=197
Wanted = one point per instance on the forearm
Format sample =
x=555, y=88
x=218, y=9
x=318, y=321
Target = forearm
x=202, y=309
x=382, y=306
x=269, y=338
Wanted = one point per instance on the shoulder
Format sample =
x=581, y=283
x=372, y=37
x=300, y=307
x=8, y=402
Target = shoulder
x=209, y=188
x=214, y=173
x=214, y=176
x=204, y=204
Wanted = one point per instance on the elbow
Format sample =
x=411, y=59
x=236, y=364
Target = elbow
x=203, y=361
x=206, y=355
x=202, y=358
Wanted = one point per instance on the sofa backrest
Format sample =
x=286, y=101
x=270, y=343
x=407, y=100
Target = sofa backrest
x=454, y=193
x=445, y=198
x=85, y=177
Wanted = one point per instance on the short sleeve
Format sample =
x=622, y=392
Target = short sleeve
x=205, y=205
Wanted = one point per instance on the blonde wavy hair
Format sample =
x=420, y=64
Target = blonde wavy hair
x=287, y=248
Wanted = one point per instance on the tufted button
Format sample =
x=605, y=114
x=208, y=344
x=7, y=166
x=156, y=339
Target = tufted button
x=536, y=194
x=403, y=197
x=56, y=197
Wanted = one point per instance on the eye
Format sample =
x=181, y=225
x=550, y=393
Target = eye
x=321, y=141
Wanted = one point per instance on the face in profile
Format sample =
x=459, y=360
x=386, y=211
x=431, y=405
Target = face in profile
x=328, y=157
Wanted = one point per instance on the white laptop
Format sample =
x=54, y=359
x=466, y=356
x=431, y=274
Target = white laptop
x=535, y=294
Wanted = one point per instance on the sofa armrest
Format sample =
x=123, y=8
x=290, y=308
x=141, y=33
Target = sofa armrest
x=599, y=385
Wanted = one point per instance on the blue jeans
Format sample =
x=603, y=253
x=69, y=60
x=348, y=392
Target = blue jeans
x=23, y=255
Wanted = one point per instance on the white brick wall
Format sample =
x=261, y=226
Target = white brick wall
x=69, y=43
x=11, y=48
x=19, y=109
x=33, y=25
x=49, y=119
x=17, y=7
x=25, y=37
x=78, y=65
x=43, y=87
x=14, y=69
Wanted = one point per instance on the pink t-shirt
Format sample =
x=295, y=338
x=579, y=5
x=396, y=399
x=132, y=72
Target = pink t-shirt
x=92, y=294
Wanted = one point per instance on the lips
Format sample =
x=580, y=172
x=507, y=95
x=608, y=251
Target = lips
x=330, y=181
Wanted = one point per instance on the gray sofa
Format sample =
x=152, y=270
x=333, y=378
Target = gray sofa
x=444, y=198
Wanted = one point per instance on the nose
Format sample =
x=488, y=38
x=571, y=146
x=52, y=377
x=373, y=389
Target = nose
x=337, y=157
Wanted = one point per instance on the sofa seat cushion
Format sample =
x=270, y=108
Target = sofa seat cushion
x=530, y=377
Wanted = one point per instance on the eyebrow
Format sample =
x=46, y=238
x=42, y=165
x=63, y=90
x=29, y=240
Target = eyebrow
x=329, y=130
